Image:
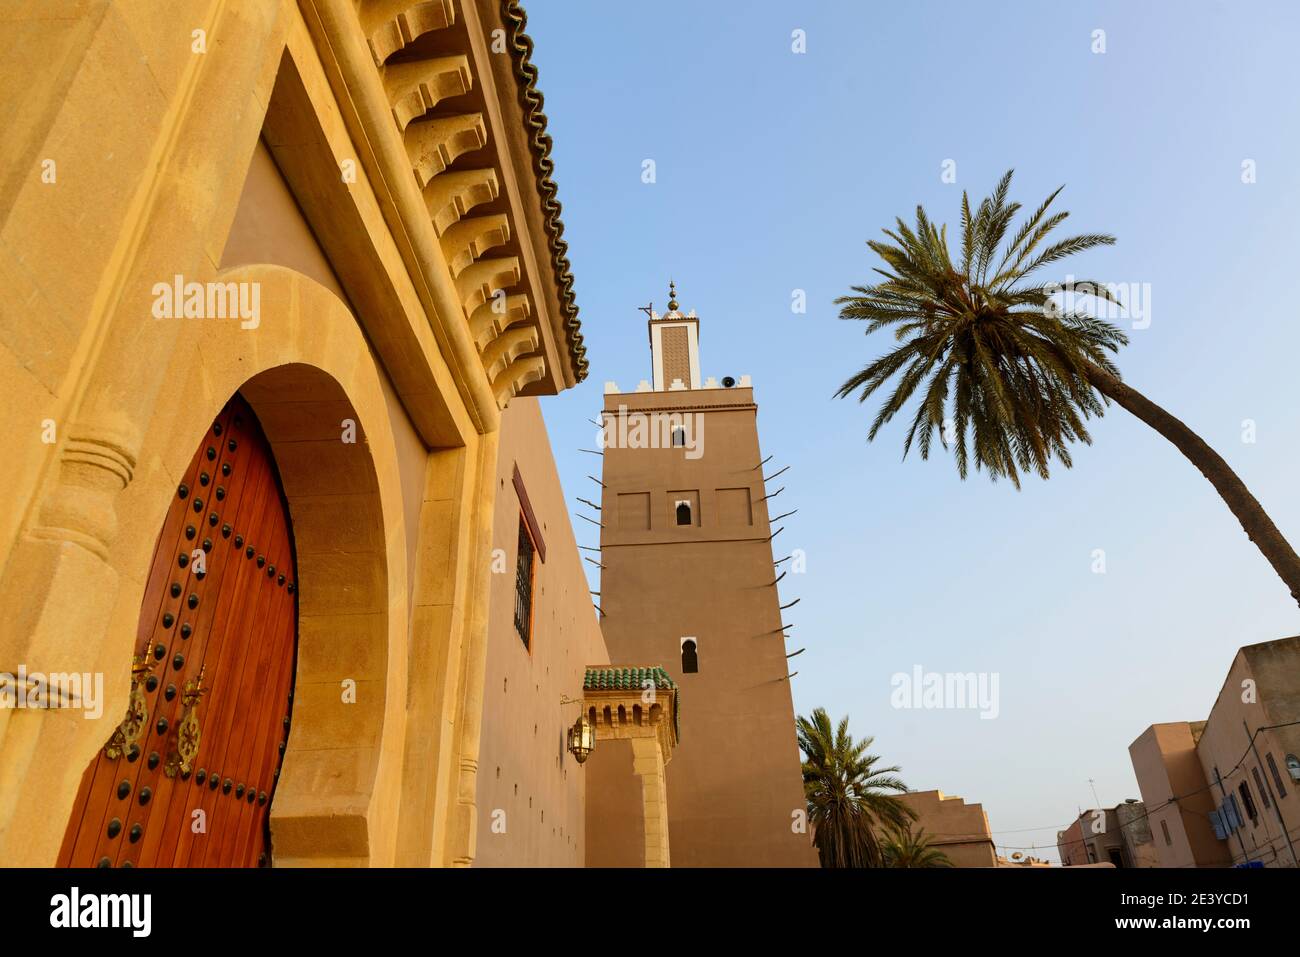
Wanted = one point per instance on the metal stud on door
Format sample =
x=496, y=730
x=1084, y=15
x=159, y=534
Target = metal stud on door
x=212, y=678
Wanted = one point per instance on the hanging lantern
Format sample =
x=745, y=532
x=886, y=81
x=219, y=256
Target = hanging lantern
x=582, y=739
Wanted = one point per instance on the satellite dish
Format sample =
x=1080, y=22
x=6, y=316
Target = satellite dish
x=728, y=382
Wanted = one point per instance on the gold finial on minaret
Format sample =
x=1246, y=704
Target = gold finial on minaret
x=672, y=296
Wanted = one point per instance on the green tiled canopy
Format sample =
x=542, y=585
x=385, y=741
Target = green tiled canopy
x=626, y=679
x=613, y=678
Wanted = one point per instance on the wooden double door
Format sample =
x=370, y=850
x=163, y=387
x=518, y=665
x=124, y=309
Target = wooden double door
x=187, y=778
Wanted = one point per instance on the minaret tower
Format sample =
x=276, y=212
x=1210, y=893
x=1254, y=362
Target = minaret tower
x=688, y=581
x=674, y=347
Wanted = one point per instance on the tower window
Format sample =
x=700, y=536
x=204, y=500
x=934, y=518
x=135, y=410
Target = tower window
x=684, y=513
x=524, y=586
x=679, y=437
x=690, y=657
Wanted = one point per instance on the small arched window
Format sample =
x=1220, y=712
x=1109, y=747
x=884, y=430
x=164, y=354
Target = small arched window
x=679, y=437
x=683, y=513
x=690, y=657
x=1293, y=767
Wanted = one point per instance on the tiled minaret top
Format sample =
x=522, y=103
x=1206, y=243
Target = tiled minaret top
x=674, y=347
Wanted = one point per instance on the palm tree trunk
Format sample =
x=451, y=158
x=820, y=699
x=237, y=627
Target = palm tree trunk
x=1254, y=520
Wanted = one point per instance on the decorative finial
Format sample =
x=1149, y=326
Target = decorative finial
x=672, y=296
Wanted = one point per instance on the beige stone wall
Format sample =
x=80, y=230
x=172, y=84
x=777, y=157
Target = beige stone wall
x=615, y=810
x=958, y=829
x=531, y=795
x=1135, y=828
x=1165, y=764
x=270, y=228
x=1267, y=676
x=210, y=144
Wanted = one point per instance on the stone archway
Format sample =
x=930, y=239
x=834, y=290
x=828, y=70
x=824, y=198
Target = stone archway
x=308, y=374
x=307, y=371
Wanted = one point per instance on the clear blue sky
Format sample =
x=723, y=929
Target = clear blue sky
x=774, y=168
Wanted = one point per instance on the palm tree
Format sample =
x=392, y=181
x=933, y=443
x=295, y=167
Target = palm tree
x=846, y=793
x=1002, y=370
x=904, y=848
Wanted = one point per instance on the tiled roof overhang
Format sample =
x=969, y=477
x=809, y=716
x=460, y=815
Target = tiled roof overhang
x=531, y=100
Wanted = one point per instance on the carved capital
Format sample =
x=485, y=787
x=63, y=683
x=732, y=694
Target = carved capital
x=95, y=464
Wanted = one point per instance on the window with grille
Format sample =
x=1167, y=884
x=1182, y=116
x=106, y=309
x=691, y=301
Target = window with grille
x=524, y=586
x=1277, y=778
x=1248, y=800
x=1260, y=787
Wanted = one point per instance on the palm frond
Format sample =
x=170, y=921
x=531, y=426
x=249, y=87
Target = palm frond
x=995, y=364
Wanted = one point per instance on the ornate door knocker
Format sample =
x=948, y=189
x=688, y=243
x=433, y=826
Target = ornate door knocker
x=128, y=733
x=186, y=747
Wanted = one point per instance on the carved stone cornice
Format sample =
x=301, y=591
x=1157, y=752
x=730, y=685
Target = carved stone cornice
x=452, y=123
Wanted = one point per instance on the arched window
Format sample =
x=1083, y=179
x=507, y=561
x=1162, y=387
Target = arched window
x=1293, y=767
x=683, y=513
x=690, y=657
x=679, y=437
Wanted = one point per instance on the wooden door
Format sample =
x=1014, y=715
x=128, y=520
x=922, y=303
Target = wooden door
x=187, y=779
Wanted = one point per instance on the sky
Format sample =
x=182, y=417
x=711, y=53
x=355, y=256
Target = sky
x=771, y=170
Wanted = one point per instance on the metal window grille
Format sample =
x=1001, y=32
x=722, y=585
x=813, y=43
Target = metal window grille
x=524, y=587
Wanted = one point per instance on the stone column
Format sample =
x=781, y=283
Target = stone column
x=648, y=763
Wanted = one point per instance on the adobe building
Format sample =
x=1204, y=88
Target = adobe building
x=283, y=549
x=1166, y=765
x=1117, y=836
x=1225, y=788
x=960, y=830
x=688, y=579
x=1093, y=838
x=1135, y=830
x=282, y=282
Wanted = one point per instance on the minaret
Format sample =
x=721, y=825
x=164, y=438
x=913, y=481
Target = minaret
x=688, y=582
x=674, y=347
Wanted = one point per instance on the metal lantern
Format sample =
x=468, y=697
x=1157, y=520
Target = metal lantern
x=582, y=739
